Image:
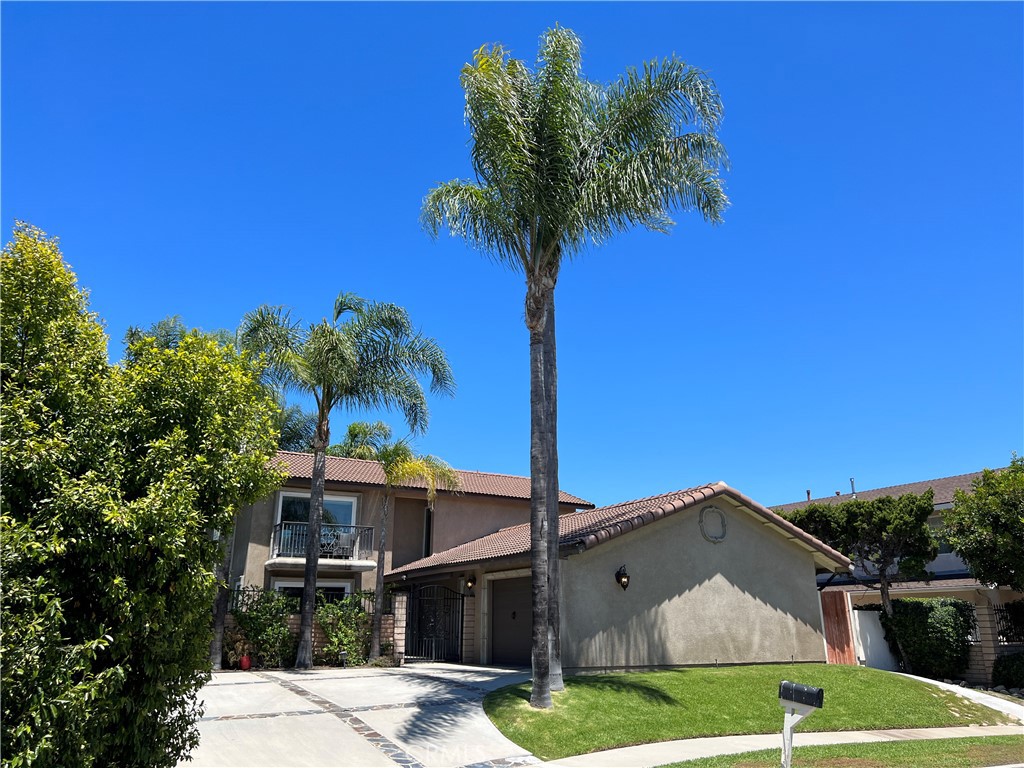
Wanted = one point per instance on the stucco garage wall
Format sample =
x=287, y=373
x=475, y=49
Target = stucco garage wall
x=458, y=519
x=749, y=598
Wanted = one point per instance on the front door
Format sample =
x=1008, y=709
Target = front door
x=511, y=622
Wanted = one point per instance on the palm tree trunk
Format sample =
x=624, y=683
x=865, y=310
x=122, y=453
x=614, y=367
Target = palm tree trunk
x=554, y=565
x=378, y=590
x=304, y=656
x=540, y=695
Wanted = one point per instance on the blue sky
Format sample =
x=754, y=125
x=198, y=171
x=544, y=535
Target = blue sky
x=859, y=313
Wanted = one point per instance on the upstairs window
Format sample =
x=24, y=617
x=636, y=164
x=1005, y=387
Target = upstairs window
x=338, y=510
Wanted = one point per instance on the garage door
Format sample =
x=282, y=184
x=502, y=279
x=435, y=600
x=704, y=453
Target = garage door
x=511, y=622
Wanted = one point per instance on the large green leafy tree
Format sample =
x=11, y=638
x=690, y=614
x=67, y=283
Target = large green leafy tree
x=115, y=480
x=888, y=538
x=986, y=526
x=402, y=466
x=373, y=358
x=562, y=162
x=295, y=424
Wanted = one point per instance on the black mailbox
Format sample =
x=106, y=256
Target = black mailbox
x=801, y=694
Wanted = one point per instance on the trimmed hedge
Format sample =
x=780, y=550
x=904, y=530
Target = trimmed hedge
x=1009, y=670
x=934, y=632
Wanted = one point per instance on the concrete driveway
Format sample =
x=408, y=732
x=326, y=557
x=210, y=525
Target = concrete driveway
x=426, y=715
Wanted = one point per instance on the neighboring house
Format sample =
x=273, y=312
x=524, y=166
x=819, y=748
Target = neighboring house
x=856, y=638
x=269, y=544
x=713, y=578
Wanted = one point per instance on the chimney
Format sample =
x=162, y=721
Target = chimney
x=838, y=494
x=808, y=494
x=853, y=490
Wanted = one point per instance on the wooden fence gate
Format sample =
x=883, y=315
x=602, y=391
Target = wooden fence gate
x=838, y=635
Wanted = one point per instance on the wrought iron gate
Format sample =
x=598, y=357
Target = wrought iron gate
x=433, y=630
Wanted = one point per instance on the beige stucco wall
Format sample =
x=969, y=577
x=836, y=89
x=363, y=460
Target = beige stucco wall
x=456, y=519
x=408, y=531
x=749, y=598
x=251, y=548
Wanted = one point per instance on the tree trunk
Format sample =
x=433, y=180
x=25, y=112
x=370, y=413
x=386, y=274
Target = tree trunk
x=554, y=564
x=304, y=656
x=883, y=589
x=378, y=591
x=220, y=609
x=540, y=695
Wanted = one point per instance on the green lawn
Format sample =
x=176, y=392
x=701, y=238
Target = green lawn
x=598, y=712
x=934, y=753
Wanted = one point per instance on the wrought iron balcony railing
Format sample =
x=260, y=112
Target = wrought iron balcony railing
x=337, y=542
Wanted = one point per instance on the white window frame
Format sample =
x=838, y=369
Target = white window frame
x=354, y=498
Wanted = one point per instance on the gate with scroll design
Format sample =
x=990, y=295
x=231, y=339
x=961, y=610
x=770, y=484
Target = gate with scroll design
x=433, y=629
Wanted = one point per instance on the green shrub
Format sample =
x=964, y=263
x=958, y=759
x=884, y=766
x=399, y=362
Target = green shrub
x=114, y=478
x=262, y=616
x=346, y=625
x=1009, y=670
x=934, y=632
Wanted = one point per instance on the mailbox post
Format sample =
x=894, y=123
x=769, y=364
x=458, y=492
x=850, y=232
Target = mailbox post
x=799, y=701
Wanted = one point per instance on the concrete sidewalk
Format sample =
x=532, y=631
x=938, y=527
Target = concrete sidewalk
x=662, y=753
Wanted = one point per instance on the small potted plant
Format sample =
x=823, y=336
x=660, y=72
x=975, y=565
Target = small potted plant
x=239, y=649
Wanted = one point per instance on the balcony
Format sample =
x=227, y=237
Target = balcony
x=342, y=547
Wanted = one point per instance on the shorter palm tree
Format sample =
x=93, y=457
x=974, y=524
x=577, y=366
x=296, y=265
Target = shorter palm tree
x=401, y=466
x=363, y=440
x=372, y=359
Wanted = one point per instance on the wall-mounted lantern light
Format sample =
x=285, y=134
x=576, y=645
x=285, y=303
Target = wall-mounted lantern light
x=470, y=582
x=621, y=577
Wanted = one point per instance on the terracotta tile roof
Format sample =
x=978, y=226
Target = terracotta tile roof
x=582, y=530
x=943, y=488
x=299, y=466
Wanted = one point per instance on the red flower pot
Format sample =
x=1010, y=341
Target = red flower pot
x=244, y=663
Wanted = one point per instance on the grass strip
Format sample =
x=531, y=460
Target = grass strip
x=597, y=712
x=971, y=752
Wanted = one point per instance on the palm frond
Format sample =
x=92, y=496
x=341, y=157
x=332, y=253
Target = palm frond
x=296, y=426
x=476, y=214
x=348, y=302
x=402, y=466
x=326, y=364
x=270, y=331
x=562, y=161
x=363, y=440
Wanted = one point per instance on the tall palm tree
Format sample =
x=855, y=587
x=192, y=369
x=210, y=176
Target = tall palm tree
x=372, y=359
x=561, y=162
x=401, y=466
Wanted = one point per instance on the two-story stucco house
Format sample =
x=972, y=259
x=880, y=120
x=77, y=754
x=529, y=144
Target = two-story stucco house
x=269, y=544
x=700, y=576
